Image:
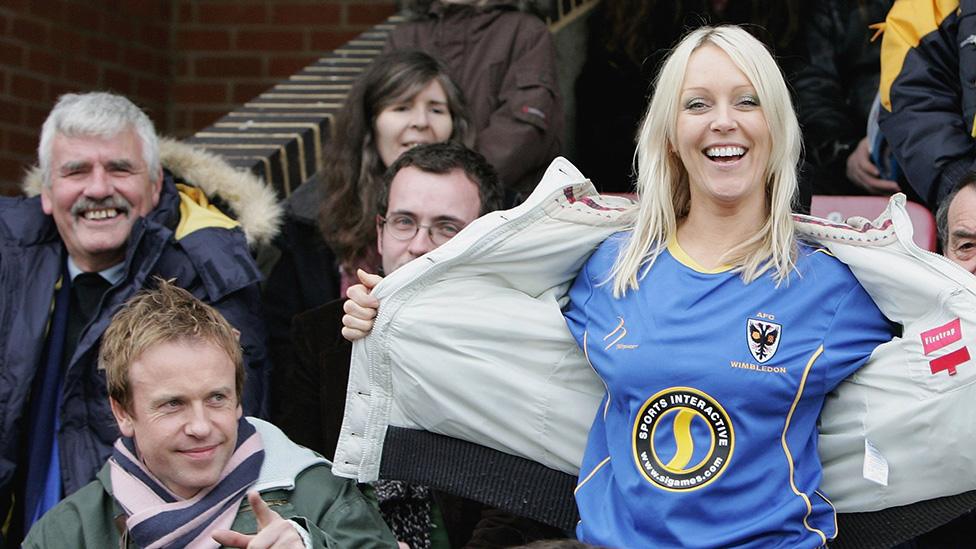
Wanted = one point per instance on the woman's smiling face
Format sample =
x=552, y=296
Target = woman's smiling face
x=409, y=121
x=722, y=135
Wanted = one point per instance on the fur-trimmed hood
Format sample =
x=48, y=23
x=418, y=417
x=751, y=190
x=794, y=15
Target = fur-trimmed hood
x=251, y=202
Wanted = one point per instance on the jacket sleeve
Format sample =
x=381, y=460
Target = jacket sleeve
x=524, y=132
x=243, y=310
x=921, y=98
x=83, y=520
x=336, y=514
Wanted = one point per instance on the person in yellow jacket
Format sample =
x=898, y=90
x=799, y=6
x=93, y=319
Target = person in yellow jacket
x=928, y=93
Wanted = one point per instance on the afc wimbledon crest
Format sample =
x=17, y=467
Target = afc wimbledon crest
x=763, y=338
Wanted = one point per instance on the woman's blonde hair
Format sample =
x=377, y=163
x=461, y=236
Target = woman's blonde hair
x=662, y=182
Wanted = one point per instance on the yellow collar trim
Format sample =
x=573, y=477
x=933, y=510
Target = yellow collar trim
x=196, y=213
x=681, y=257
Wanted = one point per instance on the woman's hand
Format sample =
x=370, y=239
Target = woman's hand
x=361, y=307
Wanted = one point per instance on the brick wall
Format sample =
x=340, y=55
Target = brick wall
x=186, y=62
x=51, y=47
x=227, y=52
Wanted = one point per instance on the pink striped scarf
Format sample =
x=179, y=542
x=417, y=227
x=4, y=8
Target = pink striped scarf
x=158, y=518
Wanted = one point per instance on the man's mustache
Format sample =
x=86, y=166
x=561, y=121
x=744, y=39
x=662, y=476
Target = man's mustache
x=116, y=202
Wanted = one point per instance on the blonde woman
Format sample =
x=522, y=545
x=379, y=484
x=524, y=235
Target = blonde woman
x=717, y=334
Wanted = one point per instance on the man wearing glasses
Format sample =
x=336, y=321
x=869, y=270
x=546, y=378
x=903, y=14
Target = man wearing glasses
x=431, y=192
x=429, y=195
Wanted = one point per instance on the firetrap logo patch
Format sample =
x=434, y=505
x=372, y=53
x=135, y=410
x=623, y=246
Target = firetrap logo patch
x=683, y=439
x=763, y=338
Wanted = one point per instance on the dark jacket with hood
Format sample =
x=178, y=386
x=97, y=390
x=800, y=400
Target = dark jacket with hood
x=184, y=238
x=928, y=92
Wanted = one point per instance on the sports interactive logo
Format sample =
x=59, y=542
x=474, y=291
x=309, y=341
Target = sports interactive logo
x=683, y=439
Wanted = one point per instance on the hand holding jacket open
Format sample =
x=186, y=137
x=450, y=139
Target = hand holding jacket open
x=361, y=307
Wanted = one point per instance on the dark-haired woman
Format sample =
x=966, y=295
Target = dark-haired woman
x=403, y=99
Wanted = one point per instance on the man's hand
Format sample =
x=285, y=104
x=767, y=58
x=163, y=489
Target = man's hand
x=273, y=531
x=361, y=307
x=864, y=173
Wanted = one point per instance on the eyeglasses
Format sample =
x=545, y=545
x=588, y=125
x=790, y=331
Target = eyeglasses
x=404, y=227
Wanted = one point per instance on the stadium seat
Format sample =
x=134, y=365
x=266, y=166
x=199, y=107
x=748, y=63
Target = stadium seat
x=839, y=208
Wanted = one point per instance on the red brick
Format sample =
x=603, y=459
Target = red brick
x=67, y=41
x=155, y=36
x=231, y=14
x=222, y=67
x=102, y=49
x=11, y=172
x=29, y=31
x=51, y=10
x=22, y=143
x=122, y=29
x=195, y=92
x=44, y=62
x=11, y=55
x=307, y=14
x=181, y=66
x=269, y=40
x=203, y=40
x=81, y=16
x=17, y=6
x=152, y=110
x=164, y=65
x=119, y=81
x=244, y=92
x=146, y=10
x=287, y=66
x=35, y=116
x=10, y=112
x=112, y=6
x=200, y=119
x=185, y=12
x=181, y=121
x=27, y=87
x=324, y=41
x=368, y=14
x=160, y=119
x=140, y=59
x=153, y=89
x=57, y=89
x=81, y=72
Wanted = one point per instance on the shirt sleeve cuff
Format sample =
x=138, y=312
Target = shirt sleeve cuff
x=306, y=538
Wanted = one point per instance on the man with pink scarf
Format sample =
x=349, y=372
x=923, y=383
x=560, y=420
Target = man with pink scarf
x=189, y=469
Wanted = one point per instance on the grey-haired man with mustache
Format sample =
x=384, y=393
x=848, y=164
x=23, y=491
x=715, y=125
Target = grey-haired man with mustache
x=107, y=220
